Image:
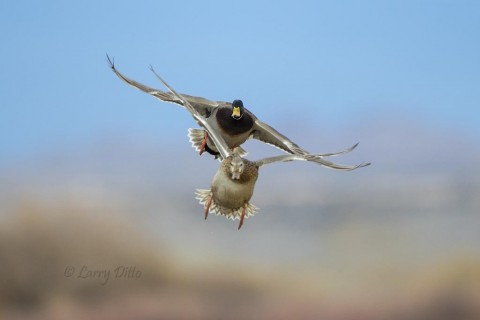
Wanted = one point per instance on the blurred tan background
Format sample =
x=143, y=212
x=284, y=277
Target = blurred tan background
x=397, y=240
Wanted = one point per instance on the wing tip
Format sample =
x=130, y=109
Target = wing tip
x=111, y=61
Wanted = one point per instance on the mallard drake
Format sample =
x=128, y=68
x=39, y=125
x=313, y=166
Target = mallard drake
x=232, y=120
x=234, y=182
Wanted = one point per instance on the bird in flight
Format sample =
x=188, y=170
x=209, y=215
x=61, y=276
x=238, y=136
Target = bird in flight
x=232, y=120
x=234, y=182
x=225, y=126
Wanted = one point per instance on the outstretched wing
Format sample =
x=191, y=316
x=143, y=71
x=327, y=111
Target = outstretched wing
x=267, y=134
x=316, y=158
x=201, y=105
x=216, y=138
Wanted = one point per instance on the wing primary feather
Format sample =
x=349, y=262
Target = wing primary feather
x=310, y=158
x=163, y=96
x=186, y=104
x=333, y=154
x=217, y=139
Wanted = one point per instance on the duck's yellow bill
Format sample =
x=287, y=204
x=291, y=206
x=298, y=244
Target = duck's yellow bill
x=236, y=112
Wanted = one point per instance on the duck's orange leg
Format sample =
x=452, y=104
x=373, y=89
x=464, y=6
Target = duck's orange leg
x=204, y=142
x=207, y=208
x=243, y=215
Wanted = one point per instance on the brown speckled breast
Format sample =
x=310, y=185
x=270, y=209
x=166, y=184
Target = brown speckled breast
x=250, y=171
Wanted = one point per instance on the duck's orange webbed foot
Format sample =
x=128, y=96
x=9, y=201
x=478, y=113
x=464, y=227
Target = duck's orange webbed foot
x=243, y=215
x=204, y=142
x=207, y=208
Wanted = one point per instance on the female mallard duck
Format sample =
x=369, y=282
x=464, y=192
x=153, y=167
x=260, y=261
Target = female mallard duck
x=233, y=121
x=233, y=184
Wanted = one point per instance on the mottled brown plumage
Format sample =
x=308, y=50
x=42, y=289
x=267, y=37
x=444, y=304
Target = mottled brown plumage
x=229, y=196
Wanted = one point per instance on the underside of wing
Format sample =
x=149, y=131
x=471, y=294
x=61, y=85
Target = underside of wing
x=202, y=105
x=311, y=158
x=263, y=132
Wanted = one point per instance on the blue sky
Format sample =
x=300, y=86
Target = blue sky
x=327, y=63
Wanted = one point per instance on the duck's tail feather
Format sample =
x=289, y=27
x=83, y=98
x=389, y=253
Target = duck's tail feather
x=195, y=136
x=203, y=196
